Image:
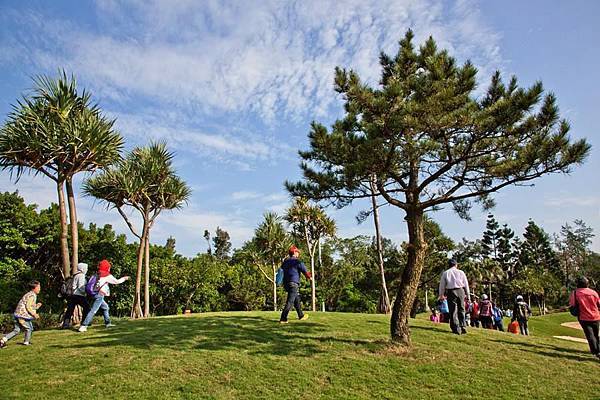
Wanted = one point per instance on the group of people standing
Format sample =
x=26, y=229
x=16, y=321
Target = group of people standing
x=455, y=307
x=80, y=287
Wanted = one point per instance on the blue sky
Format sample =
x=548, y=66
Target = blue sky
x=232, y=87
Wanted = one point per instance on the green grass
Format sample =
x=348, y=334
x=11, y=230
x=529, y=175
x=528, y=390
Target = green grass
x=332, y=355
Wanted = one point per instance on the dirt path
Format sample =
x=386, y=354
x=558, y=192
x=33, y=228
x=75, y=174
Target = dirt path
x=571, y=338
x=573, y=325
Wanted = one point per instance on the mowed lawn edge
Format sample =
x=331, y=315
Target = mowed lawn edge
x=248, y=355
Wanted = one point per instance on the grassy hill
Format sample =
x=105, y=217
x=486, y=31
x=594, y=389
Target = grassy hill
x=332, y=355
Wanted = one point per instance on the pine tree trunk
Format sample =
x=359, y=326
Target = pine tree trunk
x=147, y=276
x=64, y=243
x=407, y=290
x=74, y=227
x=384, y=304
x=136, y=309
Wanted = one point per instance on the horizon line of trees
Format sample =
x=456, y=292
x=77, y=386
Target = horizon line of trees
x=222, y=278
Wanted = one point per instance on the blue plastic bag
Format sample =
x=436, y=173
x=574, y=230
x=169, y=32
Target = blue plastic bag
x=279, y=277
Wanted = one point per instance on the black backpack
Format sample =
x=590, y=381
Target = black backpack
x=521, y=310
x=66, y=288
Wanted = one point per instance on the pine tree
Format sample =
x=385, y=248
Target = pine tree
x=430, y=141
x=491, y=238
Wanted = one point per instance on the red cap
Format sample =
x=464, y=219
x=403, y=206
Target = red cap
x=104, y=268
x=292, y=250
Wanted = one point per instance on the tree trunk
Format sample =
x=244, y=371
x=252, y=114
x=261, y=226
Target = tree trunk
x=136, y=309
x=64, y=243
x=274, y=285
x=74, y=227
x=490, y=291
x=384, y=305
x=311, y=253
x=313, y=286
x=426, y=298
x=407, y=290
x=147, y=275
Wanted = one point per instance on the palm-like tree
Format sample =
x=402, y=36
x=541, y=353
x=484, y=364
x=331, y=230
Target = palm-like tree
x=145, y=181
x=56, y=131
x=312, y=224
x=272, y=242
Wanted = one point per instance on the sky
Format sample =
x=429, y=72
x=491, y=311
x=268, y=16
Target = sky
x=232, y=87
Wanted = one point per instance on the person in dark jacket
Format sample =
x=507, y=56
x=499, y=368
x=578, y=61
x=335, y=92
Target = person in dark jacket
x=521, y=315
x=78, y=297
x=292, y=268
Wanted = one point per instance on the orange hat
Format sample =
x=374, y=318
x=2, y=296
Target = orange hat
x=292, y=250
x=104, y=268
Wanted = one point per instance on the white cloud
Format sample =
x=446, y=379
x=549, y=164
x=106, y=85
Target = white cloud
x=573, y=201
x=270, y=59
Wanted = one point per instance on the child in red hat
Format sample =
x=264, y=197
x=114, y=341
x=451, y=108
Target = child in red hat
x=100, y=287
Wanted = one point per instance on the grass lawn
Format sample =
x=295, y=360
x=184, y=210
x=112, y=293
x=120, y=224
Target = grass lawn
x=332, y=355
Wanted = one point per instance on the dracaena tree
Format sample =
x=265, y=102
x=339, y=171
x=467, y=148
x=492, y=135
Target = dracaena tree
x=57, y=131
x=431, y=141
x=146, y=181
x=271, y=242
x=310, y=224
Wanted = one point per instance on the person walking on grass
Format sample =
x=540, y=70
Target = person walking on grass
x=292, y=268
x=521, y=314
x=587, y=304
x=454, y=286
x=99, y=287
x=474, y=312
x=78, y=297
x=25, y=312
x=497, y=314
x=486, y=312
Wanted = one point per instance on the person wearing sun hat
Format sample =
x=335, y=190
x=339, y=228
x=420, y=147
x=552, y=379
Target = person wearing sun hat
x=104, y=280
x=292, y=268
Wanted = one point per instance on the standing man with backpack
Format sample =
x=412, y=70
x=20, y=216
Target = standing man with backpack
x=75, y=291
x=99, y=287
x=585, y=305
x=292, y=268
x=521, y=314
x=455, y=287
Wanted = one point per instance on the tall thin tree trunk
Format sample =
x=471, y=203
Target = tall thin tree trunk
x=64, y=243
x=274, y=285
x=147, y=276
x=136, y=309
x=74, y=226
x=313, y=285
x=426, y=298
x=407, y=291
x=311, y=253
x=384, y=306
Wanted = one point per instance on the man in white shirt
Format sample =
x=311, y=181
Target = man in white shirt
x=454, y=286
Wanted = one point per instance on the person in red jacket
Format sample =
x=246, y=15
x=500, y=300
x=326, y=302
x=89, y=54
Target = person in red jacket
x=588, y=302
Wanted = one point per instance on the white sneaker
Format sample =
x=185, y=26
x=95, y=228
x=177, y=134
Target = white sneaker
x=26, y=344
x=109, y=325
x=82, y=328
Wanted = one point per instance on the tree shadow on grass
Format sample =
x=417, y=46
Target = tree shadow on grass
x=550, y=350
x=245, y=334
